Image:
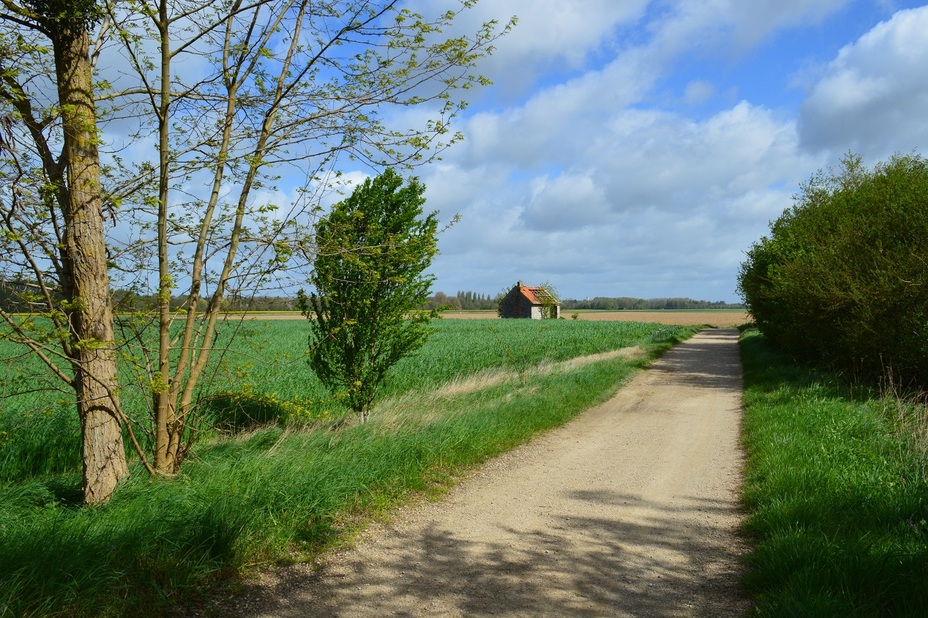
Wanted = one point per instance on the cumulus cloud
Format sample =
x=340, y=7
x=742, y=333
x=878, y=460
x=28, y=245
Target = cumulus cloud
x=568, y=201
x=698, y=91
x=551, y=35
x=652, y=196
x=753, y=22
x=872, y=96
x=587, y=181
x=731, y=26
x=667, y=160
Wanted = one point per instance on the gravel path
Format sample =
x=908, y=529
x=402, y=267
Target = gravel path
x=629, y=510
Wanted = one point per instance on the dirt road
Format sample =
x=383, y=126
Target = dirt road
x=629, y=510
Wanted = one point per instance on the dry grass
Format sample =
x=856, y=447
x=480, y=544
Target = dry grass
x=422, y=407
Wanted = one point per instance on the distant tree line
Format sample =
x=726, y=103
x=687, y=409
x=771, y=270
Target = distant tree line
x=18, y=296
x=128, y=301
x=463, y=300
x=13, y=299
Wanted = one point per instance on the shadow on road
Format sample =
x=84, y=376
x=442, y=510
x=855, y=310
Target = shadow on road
x=646, y=565
x=699, y=363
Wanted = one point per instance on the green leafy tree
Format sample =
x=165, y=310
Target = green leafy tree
x=843, y=276
x=158, y=171
x=549, y=301
x=369, y=278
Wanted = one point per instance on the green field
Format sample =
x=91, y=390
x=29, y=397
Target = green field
x=291, y=485
x=836, y=490
x=264, y=376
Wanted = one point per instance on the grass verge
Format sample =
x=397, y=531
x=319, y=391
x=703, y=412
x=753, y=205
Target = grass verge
x=838, y=503
x=271, y=494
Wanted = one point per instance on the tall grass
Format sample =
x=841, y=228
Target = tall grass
x=263, y=376
x=276, y=491
x=839, y=506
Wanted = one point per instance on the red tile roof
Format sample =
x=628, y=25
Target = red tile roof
x=537, y=295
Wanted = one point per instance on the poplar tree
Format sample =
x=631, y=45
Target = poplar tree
x=369, y=279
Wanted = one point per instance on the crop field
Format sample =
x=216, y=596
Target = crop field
x=720, y=318
x=263, y=377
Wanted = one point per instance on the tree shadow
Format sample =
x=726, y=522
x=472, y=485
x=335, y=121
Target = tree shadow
x=639, y=558
x=704, y=361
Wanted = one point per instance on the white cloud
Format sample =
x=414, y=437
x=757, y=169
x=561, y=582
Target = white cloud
x=587, y=183
x=557, y=123
x=638, y=198
x=566, y=202
x=551, y=35
x=872, y=96
x=757, y=20
x=587, y=186
x=731, y=26
x=698, y=91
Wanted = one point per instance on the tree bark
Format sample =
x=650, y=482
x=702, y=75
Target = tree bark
x=167, y=444
x=86, y=282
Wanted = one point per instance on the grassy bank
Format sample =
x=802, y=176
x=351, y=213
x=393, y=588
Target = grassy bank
x=262, y=375
x=837, y=494
x=281, y=490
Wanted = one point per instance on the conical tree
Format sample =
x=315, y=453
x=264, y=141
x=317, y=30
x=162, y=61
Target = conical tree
x=369, y=278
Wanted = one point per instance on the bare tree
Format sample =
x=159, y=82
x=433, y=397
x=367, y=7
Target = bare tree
x=250, y=109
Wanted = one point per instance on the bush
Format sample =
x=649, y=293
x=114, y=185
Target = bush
x=843, y=276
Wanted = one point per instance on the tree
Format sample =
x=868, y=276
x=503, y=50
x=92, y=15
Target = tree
x=843, y=275
x=369, y=279
x=550, y=301
x=76, y=294
x=233, y=99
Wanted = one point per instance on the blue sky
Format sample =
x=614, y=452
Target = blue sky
x=636, y=148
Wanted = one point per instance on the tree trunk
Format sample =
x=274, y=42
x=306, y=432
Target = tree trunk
x=167, y=459
x=86, y=281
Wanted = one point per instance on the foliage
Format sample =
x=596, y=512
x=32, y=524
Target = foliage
x=369, y=279
x=465, y=300
x=263, y=380
x=838, y=508
x=550, y=300
x=160, y=543
x=843, y=276
x=210, y=107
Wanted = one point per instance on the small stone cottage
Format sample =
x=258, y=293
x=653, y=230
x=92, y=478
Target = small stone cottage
x=534, y=302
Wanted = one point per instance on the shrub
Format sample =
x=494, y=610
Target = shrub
x=843, y=275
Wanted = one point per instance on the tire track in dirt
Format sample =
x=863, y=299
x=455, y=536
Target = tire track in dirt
x=631, y=509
